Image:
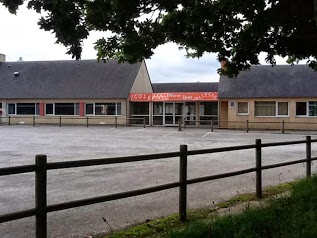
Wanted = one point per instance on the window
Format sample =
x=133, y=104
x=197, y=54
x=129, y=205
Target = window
x=169, y=108
x=269, y=108
x=49, y=109
x=208, y=108
x=140, y=108
x=101, y=109
x=312, y=109
x=265, y=108
x=89, y=108
x=243, y=108
x=119, y=108
x=108, y=108
x=64, y=108
x=11, y=108
x=23, y=109
x=282, y=108
x=158, y=108
x=77, y=109
x=301, y=109
x=26, y=109
x=306, y=109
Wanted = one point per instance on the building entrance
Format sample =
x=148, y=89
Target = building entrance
x=172, y=113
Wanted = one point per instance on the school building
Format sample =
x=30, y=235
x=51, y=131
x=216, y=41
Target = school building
x=268, y=97
x=263, y=96
x=103, y=92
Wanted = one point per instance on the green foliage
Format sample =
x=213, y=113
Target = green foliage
x=237, y=30
x=285, y=217
x=166, y=226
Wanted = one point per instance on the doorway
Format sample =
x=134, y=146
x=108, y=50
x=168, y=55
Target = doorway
x=173, y=111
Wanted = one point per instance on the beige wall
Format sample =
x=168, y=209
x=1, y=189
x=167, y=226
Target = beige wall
x=65, y=120
x=142, y=83
x=291, y=121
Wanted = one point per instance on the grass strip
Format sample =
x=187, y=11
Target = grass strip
x=162, y=227
x=283, y=217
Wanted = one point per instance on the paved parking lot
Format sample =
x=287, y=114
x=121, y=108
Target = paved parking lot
x=20, y=144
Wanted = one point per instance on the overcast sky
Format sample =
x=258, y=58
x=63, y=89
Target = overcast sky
x=20, y=36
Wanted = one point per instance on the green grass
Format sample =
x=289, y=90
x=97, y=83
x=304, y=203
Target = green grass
x=163, y=227
x=284, y=217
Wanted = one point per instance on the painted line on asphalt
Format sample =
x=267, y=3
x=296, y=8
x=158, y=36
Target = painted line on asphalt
x=206, y=134
x=134, y=131
x=168, y=134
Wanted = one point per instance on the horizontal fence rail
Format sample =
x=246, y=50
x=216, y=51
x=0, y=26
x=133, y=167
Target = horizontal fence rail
x=41, y=167
x=247, y=125
x=73, y=120
x=211, y=121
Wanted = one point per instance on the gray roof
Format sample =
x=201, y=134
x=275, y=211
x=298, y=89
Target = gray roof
x=265, y=81
x=66, y=79
x=184, y=87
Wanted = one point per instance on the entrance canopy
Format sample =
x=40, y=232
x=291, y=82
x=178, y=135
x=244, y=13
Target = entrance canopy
x=177, y=96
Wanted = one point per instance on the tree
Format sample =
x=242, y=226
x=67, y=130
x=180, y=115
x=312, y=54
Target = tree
x=238, y=30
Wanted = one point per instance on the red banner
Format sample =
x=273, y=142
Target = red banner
x=162, y=97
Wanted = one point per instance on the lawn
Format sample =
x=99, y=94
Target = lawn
x=290, y=214
x=286, y=216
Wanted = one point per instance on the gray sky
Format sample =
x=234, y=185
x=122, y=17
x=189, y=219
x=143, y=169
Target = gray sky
x=20, y=36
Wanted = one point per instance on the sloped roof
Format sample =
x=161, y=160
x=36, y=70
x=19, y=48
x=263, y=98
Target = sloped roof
x=265, y=81
x=67, y=79
x=184, y=87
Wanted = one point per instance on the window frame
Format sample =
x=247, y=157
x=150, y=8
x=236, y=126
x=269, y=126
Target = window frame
x=74, y=108
x=36, y=109
x=8, y=108
x=53, y=105
x=75, y=104
x=118, y=105
x=243, y=113
x=307, y=109
x=276, y=108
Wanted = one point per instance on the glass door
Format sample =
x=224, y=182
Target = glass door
x=178, y=112
x=169, y=114
x=173, y=111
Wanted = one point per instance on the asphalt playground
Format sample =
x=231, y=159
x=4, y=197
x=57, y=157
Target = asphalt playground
x=19, y=145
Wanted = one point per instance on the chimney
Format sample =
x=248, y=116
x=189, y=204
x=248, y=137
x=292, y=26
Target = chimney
x=223, y=63
x=2, y=57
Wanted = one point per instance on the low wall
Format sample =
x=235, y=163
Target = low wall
x=63, y=120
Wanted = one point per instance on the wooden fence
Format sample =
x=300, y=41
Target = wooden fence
x=248, y=125
x=64, y=121
x=41, y=167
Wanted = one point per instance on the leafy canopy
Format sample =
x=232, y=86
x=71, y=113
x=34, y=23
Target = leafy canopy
x=238, y=30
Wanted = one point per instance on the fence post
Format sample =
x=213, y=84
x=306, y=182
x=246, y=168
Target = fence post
x=60, y=121
x=143, y=122
x=283, y=128
x=116, y=122
x=212, y=125
x=40, y=196
x=87, y=122
x=247, y=126
x=33, y=120
x=308, y=156
x=183, y=183
x=9, y=122
x=258, y=165
x=179, y=124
